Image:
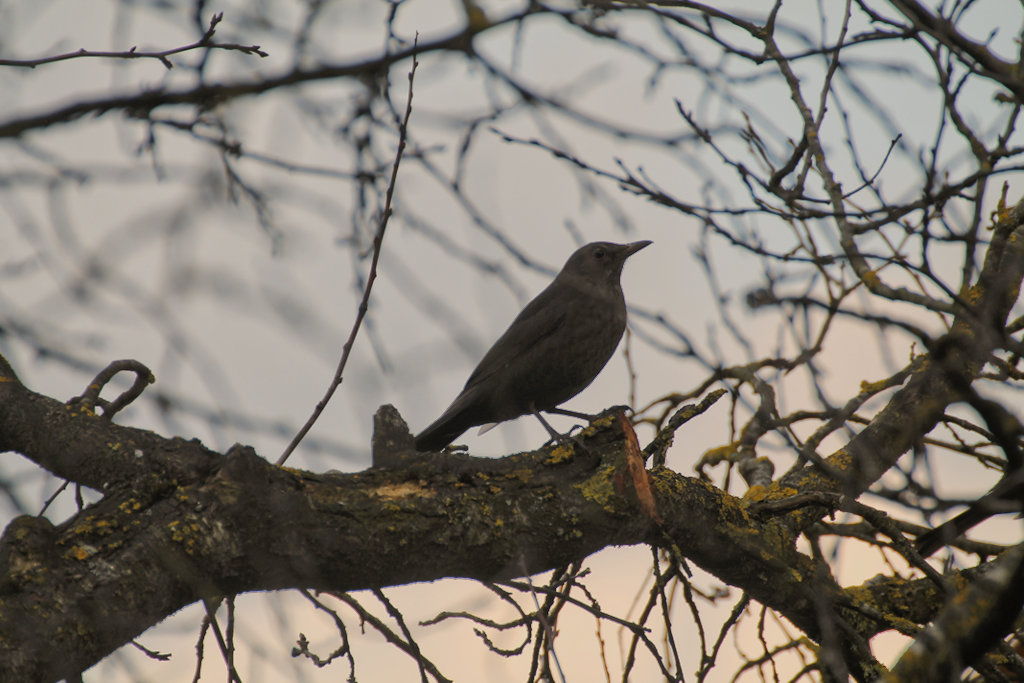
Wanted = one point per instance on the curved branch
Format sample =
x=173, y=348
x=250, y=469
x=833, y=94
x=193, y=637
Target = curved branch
x=73, y=443
x=141, y=104
x=916, y=408
x=169, y=537
x=978, y=616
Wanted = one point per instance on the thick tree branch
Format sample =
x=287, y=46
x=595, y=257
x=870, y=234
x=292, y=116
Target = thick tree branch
x=916, y=408
x=73, y=443
x=980, y=614
x=219, y=525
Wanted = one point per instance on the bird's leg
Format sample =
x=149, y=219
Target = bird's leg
x=572, y=413
x=564, y=439
x=568, y=438
x=588, y=416
x=551, y=430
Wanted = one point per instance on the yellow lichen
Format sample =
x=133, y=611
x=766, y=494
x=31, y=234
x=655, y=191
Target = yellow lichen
x=714, y=456
x=870, y=278
x=559, y=454
x=80, y=552
x=407, y=489
x=600, y=488
x=81, y=408
x=756, y=494
x=872, y=387
x=129, y=506
x=523, y=474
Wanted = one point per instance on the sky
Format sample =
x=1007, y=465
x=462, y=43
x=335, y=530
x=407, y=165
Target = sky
x=242, y=314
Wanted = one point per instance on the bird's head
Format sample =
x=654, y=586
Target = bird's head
x=600, y=261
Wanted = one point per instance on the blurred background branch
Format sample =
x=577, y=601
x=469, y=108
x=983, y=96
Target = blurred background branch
x=823, y=184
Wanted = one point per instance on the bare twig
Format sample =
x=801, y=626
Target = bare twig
x=90, y=398
x=378, y=240
x=133, y=53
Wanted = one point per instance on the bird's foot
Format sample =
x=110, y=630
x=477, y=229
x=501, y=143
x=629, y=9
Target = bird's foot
x=565, y=447
x=566, y=439
x=614, y=410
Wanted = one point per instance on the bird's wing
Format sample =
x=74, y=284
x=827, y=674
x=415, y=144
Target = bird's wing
x=533, y=325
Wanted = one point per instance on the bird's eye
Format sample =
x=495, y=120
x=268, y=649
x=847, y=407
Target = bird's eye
x=599, y=253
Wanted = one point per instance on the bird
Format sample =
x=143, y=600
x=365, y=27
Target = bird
x=552, y=351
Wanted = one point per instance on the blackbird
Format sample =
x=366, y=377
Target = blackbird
x=552, y=351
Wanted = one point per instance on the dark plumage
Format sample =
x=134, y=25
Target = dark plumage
x=552, y=351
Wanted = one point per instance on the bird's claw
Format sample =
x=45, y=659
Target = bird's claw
x=567, y=440
x=614, y=410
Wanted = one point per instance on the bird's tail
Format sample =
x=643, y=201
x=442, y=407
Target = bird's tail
x=446, y=428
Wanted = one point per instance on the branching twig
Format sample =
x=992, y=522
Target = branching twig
x=378, y=241
x=90, y=398
x=133, y=53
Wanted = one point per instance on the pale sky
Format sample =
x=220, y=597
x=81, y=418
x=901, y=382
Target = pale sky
x=239, y=319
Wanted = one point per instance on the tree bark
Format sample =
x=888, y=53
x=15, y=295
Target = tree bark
x=179, y=523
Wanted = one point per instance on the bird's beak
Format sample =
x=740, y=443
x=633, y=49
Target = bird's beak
x=634, y=247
